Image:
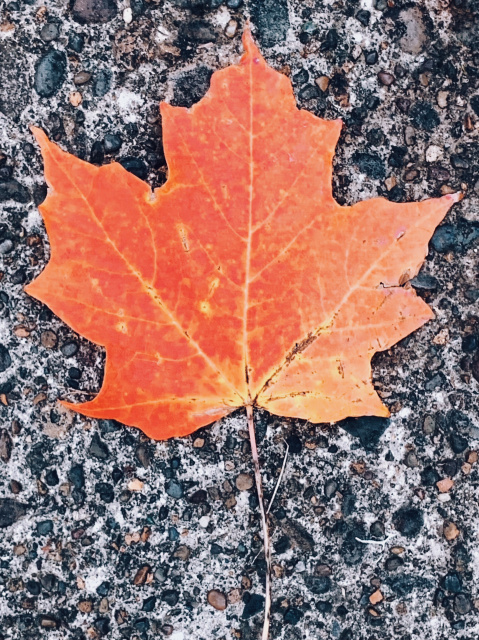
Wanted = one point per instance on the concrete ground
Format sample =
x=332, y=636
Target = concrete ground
x=87, y=550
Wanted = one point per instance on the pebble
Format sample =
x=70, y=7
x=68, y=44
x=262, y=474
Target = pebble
x=50, y=73
x=424, y=116
x=45, y=527
x=48, y=339
x=408, y=521
x=174, y=489
x=112, y=143
x=141, y=575
x=82, y=77
x=94, y=11
x=442, y=99
x=445, y=485
x=11, y=511
x=244, y=482
x=450, y=530
x=69, y=349
x=98, y=449
x=6, y=445
x=386, y=78
x=254, y=604
x=50, y=31
x=5, y=247
x=102, y=83
x=368, y=429
x=170, y=596
x=318, y=584
x=231, y=29
x=452, y=582
x=433, y=153
x=462, y=603
x=217, y=599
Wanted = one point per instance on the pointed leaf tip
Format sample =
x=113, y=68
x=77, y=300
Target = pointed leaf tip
x=252, y=52
x=40, y=136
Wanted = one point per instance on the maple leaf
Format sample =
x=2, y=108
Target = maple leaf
x=239, y=282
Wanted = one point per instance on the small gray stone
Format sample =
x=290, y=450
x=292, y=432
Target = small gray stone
x=174, y=488
x=94, y=11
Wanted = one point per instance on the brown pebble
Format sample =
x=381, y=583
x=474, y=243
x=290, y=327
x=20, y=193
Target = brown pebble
x=245, y=582
x=472, y=457
x=323, y=83
x=386, y=78
x=322, y=570
x=217, y=599
x=75, y=98
x=445, y=485
x=244, y=482
x=411, y=175
x=182, y=552
x=198, y=443
x=141, y=575
x=48, y=339
x=85, y=606
x=451, y=532
x=376, y=597
x=15, y=487
x=81, y=77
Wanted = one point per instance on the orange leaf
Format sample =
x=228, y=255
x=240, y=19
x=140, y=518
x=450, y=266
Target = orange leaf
x=241, y=281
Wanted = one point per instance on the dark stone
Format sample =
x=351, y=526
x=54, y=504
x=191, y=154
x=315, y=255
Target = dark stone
x=308, y=92
x=301, y=77
x=458, y=443
x=363, y=16
x=13, y=190
x=33, y=587
x=292, y=615
x=50, y=73
x=102, y=83
x=452, y=582
x=103, y=589
x=393, y=563
x=403, y=585
x=294, y=443
x=102, y=626
x=5, y=359
x=459, y=162
x=97, y=154
x=462, y=603
x=11, y=511
x=198, y=497
x=98, y=449
x=298, y=535
x=470, y=343
x=368, y=429
x=76, y=475
x=474, y=102
x=45, y=527
x=49, y=582
x=371, y=57
x=254, y=604
x=370, y=164
x=105, y=491
x=424, y=116
x=271, y=18
x=170, y=596
x=444, y=238
x=377, y=530
x=191, y=86
x=408, y=521
x=349, y=504
x=94, y=11
x=429, y=477
x=36, y=459
x=136, y=166
x=282, y=545
x=425, y=282
x=174, y=488
x=142, y=624
x=112, y=143
x=331, y=41
x=318, y=584
x=76, y=42
x=323, y=606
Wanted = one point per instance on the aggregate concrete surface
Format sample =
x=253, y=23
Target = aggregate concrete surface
x=108, y=534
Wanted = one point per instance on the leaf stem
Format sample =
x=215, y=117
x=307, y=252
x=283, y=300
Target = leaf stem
x=264, y=520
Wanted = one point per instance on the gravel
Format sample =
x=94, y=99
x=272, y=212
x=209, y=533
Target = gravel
x=108, y=534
